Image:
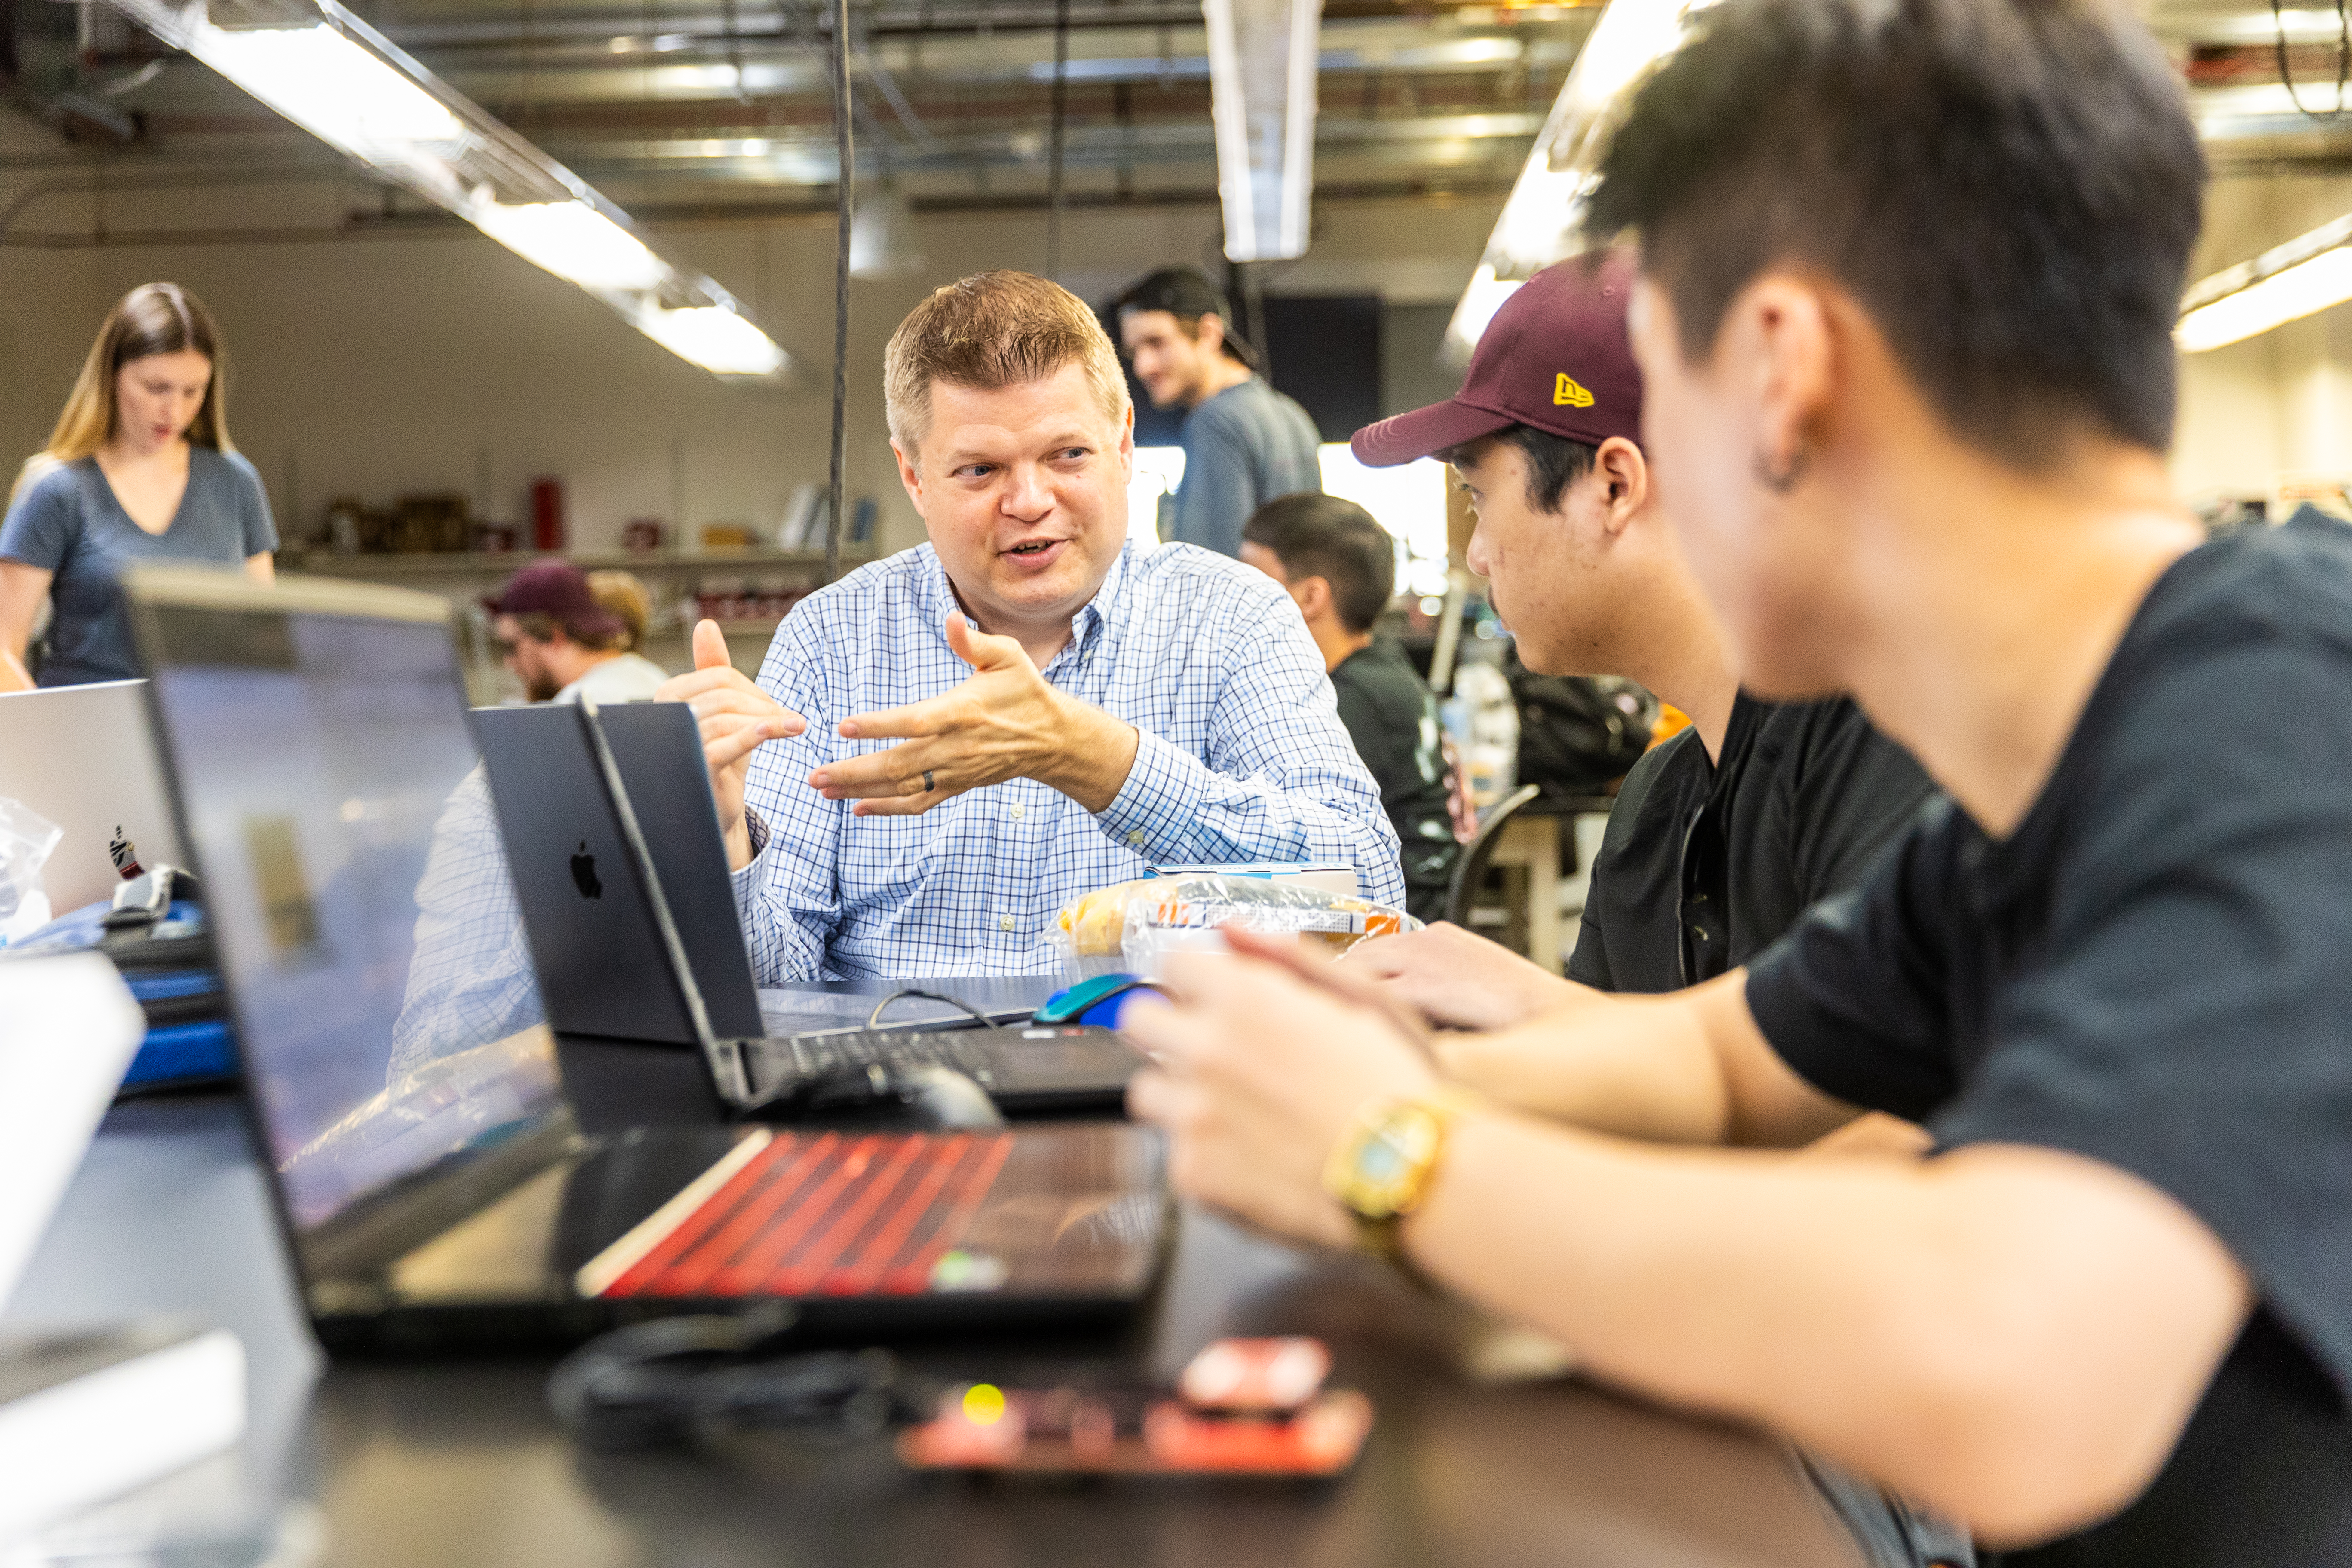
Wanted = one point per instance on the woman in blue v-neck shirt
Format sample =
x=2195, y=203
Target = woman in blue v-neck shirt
x=140, y=467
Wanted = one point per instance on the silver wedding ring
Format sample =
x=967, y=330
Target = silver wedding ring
x=928, y=784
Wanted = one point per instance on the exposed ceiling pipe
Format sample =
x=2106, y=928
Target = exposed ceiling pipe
x=924, y=18
x=845, y=207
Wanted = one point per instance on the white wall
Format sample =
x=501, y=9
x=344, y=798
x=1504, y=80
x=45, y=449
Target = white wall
x=381, y=366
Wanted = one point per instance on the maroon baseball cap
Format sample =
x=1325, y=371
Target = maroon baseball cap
x=556, y=589
x=1556, y=356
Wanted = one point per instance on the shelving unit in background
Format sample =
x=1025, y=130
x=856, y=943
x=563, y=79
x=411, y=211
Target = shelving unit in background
x=676, y=578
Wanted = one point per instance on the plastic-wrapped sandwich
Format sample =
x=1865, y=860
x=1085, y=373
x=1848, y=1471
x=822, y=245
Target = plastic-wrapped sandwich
x=1134, y=924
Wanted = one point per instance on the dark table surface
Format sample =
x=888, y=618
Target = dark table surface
x=457, y=1462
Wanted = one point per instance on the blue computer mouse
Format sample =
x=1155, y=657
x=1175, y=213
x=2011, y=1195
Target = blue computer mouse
x=1098, y=1001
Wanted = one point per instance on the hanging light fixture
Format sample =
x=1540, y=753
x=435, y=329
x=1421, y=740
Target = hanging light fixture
x=337, y=78
x=1261, y=70
x=882, y=241
x=1540, y=218
x=2303, y=276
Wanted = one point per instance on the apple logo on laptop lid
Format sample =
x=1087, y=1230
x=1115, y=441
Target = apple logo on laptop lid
x=583, y=873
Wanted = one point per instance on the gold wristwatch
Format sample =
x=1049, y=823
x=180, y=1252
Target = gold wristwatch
x=1382, y=1164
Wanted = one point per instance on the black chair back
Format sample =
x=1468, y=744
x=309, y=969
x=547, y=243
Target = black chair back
x=1470, y=866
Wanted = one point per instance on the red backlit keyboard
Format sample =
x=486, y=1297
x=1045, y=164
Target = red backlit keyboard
x=811, y=1213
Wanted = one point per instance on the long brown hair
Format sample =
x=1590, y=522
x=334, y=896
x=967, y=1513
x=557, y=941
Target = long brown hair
x=153, y=319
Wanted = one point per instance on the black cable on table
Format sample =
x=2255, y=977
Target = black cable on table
x=677, y=1381
x=874, y=1019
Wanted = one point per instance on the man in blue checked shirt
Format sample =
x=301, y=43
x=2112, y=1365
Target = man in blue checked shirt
x=946, y=746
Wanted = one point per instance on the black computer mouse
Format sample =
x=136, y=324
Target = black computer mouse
x=919, y=1096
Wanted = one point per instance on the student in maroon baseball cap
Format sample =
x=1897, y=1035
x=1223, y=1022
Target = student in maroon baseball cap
x=564, y=639
x=1790, y=802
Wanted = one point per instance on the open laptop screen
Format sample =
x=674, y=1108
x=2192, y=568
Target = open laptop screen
x=331, y=797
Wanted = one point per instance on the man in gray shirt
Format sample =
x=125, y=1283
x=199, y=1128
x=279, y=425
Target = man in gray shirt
x=1244, y=442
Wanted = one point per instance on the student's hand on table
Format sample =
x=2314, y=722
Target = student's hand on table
x=1007, y=722
x=1460, y=979
x=1259, y=1068
x=736, y=719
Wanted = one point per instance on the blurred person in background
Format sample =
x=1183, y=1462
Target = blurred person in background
x=567, y=636
x=1338, y=566
x=626, y=594
x=1245, y=443
x=140, y=467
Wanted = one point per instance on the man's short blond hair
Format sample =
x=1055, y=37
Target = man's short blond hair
x=990, y=330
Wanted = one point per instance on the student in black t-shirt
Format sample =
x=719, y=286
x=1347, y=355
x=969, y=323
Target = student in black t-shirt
x=1723, y=835
x=1726, y=833
x=1340, y=566
x=1909, y=277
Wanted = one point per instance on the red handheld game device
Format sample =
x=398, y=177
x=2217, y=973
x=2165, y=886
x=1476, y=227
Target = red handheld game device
x=1254, y=1407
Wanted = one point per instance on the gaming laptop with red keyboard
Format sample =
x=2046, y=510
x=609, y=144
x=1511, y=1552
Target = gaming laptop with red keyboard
x=404, y=1084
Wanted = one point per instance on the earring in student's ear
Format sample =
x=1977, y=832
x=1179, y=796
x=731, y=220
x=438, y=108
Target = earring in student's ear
x=1782, y=477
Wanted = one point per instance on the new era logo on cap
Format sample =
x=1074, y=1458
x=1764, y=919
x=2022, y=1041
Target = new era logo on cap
x=1565, y=394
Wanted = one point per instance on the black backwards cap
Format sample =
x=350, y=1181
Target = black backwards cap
x=1186, y=291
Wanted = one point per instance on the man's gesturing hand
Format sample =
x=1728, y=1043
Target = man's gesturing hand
x=736, y=719
x=1260, y=1068
x=1005, y=722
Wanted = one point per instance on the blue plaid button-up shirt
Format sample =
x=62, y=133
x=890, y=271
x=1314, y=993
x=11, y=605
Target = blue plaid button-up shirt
x=1242, y=757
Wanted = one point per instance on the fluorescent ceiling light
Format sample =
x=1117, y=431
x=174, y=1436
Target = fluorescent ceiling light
x=2265, y=109
x=573, y=240
x=1262, y=67
x=333, y=75
x=2301, y=26
x=329, y=85
x=1540, y=218
x=2305, y=275
x=715, y=338
x=1479, y=304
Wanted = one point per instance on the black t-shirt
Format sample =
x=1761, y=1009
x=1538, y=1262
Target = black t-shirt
x=1705, y=864
x=1392, y=719
x=2154, y=971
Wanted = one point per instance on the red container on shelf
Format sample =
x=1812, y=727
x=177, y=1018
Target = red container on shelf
x=547, y=514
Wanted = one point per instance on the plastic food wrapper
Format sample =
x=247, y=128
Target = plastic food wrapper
x=1135, y=925
x=27, y=841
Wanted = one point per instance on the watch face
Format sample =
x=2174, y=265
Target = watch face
x=1393, y=1161
x=1382, y=1162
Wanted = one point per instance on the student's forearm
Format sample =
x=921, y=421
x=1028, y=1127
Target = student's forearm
x=1631, y=1067
x=1937, y=1326
x=1659, y=1068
